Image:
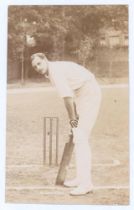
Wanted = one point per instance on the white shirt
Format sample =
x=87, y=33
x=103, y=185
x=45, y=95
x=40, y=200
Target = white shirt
x=67, y=77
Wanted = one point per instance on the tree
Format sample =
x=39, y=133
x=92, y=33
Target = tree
x=63, y=31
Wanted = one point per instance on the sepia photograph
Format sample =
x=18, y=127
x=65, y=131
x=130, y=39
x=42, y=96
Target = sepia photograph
x=67, y=109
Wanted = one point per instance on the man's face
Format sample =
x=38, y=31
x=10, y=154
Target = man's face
x=40, y=65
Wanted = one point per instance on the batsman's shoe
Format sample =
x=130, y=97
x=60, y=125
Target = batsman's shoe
x=81, y=190
x=71, y=183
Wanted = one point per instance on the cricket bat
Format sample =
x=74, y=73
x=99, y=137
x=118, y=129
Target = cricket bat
x=66, y=157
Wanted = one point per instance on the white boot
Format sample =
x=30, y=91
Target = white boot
x=71, y=183
x=82, y=190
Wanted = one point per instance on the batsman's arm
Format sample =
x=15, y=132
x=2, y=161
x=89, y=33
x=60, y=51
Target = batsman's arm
x=69, y=104
x=71, y=109
x=76, y=113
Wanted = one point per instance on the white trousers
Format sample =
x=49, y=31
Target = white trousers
x=87, y=100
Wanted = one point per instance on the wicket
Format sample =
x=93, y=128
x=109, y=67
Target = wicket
x=50, y=137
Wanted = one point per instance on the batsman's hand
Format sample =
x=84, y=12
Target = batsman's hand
x=74, y=123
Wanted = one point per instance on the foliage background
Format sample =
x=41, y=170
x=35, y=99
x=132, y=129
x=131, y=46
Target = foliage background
x=66, y=33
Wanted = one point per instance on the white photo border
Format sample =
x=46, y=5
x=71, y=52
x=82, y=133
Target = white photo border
x=3, y=86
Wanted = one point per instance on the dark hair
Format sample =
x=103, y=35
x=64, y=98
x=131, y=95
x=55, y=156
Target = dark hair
x=40, y=55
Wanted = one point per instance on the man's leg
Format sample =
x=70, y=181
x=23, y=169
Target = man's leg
x=83, y=158
x=88, y=106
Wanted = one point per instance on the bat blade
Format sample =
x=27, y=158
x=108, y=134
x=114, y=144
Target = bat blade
x=66, y=157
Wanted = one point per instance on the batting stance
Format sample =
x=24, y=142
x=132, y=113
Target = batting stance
x=78, y=87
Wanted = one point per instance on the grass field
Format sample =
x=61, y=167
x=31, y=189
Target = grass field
x=29, y=181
